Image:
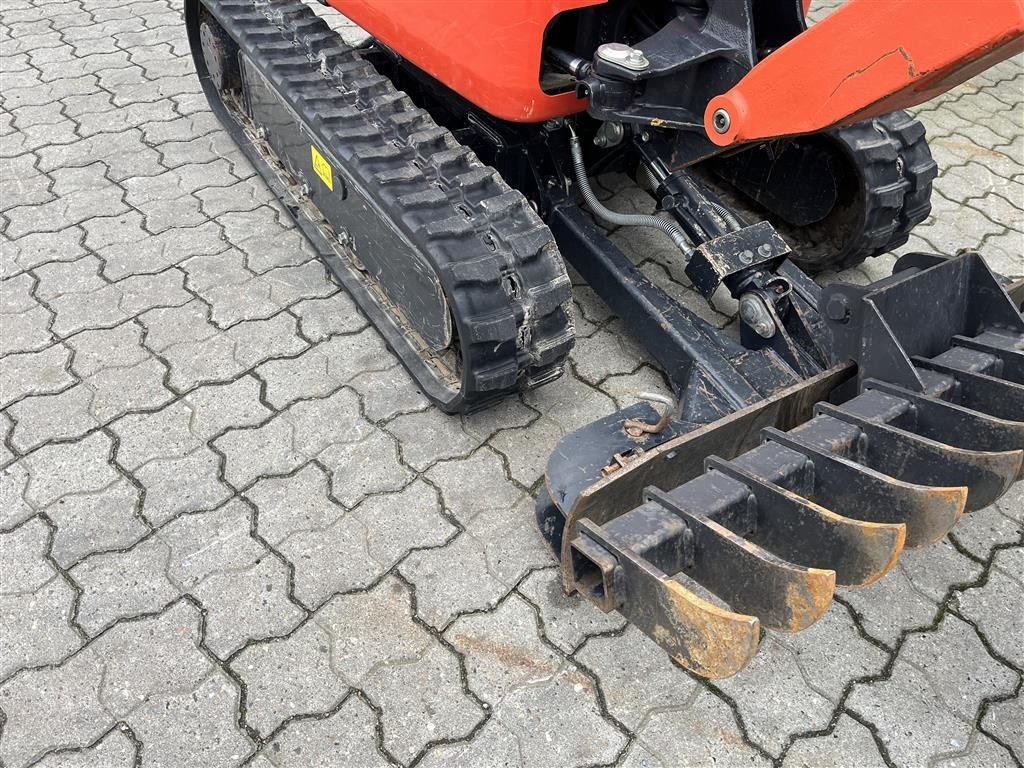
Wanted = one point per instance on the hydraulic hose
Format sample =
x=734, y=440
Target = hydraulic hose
x=621, y=219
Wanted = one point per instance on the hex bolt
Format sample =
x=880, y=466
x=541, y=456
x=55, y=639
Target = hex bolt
x=754, y=313
x=721, y=121
x=838, y=308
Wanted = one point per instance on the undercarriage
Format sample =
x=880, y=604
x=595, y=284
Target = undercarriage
x=837, y=428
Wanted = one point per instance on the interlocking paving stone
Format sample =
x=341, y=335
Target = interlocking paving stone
x=848, y=743
x=221, y=494
x=36, y=602
x=347, y=735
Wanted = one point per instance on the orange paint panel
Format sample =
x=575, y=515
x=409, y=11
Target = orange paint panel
x=865, y=59
x=489, y=51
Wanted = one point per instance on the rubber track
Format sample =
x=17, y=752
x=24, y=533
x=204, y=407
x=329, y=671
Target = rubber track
x=504, y=279
x=896, y=173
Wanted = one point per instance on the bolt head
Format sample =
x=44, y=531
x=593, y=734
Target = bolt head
x=721, y=120
x=837, y=308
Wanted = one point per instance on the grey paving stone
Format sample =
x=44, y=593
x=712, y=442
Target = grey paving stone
x=149, y=254
x=194, y=727
x=289, y=678
x=546, y=703
x=396, y=523
x=1005, y=721
x=246, y=605
x=939, y=654
x=34, y=373
x=106, y=348
x=14, y=507
x=243, y=586
x=452, y=579
x=429, y=435
x=95, y=521
x=387, y=393
x=66, y=698
x=347, y=736
x=326, y=546
x=703, y=732
x=217, y=407
x=983, y=752
x=568, y=620
x=253, y=452
x=39, y=419
x=27, y=331
x=490, y=489
x=912, y=720
x=36, y=602
x=908, y=597
x=774, y=699
x=148, y=656
x=113, y=750
x=832, y=652
x=372, y=629
x=848, y=743
x=366, y=466
x=422, y=702
x=119, y=585
x=996, y=608
x=637, y=677
x=173, y=486
x=322, y=318
x=40, y=248
x=512, y=542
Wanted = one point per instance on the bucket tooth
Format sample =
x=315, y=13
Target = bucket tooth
x=705, y=638
x=986, y=474
x=863, y=493
x=955, y=424
x=781, y=594
x=801, y=531
x=980, y=391
x=1009, y=350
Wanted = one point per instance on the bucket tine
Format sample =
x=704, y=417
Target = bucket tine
x=708, y=640
x=987, y=475
x=1003, y=348
x=801, y=531
x=861, y=492
x=979, y=391
x=955, y=424
x=782, y=595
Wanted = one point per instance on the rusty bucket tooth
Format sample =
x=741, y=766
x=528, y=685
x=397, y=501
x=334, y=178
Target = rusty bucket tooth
x=708, y=640
x=858, y=491
x=804, y=532
x=955, y=424
x=987, y=475
x=781, y=594
x=980, y=391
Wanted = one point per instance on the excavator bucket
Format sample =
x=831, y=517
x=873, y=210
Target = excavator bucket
x=700, y=550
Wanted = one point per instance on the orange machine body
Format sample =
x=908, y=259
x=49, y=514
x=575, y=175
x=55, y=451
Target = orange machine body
x=865, y=59
x=489, y=51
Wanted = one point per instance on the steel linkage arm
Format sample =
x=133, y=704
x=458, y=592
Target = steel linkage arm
x=866, y=59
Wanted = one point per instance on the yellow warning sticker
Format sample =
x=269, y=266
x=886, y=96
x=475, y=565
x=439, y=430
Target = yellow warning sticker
x=322, y=168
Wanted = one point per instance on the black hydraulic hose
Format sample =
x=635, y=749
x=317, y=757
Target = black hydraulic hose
x=621, y=219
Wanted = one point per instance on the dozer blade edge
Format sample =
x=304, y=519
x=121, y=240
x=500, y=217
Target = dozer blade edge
x=702, y=536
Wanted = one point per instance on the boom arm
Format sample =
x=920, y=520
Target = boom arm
x=865, y=59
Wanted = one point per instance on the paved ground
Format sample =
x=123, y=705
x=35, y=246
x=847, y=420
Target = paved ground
x=233, y=531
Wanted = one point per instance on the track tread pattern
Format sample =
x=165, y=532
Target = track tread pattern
x=503, y=276
x=897, y=170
